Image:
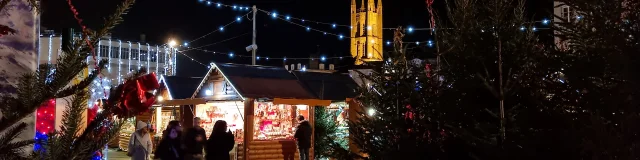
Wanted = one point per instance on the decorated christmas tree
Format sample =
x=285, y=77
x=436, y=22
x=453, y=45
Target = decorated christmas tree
x=396, y=120
x=489, y=68
x=65, y=80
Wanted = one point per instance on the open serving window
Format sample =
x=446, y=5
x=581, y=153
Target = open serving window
x=230, y=111
x=277, y=122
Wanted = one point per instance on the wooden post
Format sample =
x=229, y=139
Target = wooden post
x=248, y=125
x=186, y=116
x=312, y=120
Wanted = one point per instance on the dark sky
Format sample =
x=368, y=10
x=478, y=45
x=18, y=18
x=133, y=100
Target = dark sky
x=185, y=20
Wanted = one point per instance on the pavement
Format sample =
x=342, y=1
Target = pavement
x=114, y=154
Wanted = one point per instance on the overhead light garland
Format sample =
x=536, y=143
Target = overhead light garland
x=219, y=29
x=291, y=19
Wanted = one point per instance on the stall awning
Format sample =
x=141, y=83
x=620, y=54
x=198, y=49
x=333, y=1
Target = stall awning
x=309, y=102
x=179, y=102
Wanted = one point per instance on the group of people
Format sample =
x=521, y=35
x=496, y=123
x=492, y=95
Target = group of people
x=174, y=146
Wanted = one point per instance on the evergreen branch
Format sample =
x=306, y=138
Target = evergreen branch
x=13, y=149
x=84, y=83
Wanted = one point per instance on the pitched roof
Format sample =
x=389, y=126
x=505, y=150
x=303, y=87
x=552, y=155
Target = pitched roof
x=328, y=86
x=263, y=81
x=181, y=87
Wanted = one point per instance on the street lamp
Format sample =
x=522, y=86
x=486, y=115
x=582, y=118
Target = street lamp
x=172, y=43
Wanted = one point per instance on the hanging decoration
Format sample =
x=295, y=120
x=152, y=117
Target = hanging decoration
x=45, y=117
x=136, y=96
x=432, y=20
x=45, y=122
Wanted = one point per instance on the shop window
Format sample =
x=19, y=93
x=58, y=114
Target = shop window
x=277, y=122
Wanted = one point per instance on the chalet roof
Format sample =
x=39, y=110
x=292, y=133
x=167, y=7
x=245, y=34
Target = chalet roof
x=328, y=86
x=263, y=81
x=181, y=87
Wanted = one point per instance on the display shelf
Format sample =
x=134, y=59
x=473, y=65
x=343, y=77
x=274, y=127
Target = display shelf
x=276, y=122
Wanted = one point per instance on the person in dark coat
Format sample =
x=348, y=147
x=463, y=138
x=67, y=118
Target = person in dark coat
x=220, y=142
x=194, y=140
x=170, y=147
x=303, y=136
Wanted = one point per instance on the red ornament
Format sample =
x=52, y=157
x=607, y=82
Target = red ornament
x=409, y=113
x=135, y=96
x=427, y=68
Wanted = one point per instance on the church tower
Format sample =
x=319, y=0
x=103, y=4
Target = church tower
x=366, y=31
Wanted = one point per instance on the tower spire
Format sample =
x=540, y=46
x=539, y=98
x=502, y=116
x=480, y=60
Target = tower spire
x=371, y=5
x=362, y=4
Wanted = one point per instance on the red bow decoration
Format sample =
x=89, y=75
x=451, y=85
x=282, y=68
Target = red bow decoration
x=135, y=96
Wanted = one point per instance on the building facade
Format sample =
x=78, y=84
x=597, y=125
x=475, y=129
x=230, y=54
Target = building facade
x=123, y=57
x=366, y=31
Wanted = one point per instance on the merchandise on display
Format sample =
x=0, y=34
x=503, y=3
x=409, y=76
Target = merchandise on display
x=164, y=119
x=276, y=122
x=228, y=111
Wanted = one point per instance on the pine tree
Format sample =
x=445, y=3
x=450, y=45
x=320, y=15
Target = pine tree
x=488, y=73
x=596, y=108
x=399, y=117
x=327, y=143
x=44, y=84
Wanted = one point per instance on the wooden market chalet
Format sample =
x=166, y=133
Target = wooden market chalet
x=259, y=103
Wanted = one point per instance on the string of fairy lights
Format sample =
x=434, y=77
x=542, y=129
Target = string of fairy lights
x=302, y=22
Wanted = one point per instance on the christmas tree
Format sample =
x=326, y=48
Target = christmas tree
x=327, y=142
x=595, y=109
x=55, y=81
x=488, y=70
x=397, y=119
x=491, y=67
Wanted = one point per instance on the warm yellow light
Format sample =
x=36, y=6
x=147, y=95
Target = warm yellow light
x=369, y=55
x=160, y=98
x=172, y=43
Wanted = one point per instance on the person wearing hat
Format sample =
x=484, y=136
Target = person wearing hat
x=140, y=143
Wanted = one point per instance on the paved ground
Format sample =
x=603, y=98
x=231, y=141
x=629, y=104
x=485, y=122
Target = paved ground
x=113, y=154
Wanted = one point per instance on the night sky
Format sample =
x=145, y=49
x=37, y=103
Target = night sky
x=186, y=20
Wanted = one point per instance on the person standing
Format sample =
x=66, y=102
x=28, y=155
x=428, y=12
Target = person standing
x=220, y=142
x=140, y=143
x=303, y=137
x=194, y=141
x=170, y=147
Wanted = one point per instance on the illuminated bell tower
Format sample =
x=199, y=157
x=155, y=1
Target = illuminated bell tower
x=366, y=31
